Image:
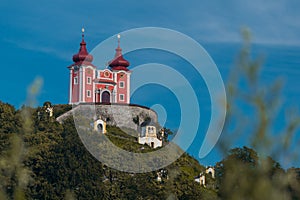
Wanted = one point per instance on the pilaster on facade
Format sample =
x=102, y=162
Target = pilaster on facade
x=83, y=84
x=71, y=87
x=93, y=83
x=80, y=84
x=128, y=88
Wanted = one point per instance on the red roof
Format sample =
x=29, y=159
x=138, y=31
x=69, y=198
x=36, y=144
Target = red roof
x=82, y=57
x=119, y=63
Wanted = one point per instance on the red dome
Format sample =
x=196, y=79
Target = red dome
x=119, y=63
x=83, y=56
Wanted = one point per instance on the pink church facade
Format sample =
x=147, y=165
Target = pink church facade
x=91, y=85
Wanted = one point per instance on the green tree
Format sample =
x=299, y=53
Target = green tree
x=8, y=121
x=165, y=133
x=9, y=124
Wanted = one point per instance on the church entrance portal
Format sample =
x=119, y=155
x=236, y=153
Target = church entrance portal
x=105, y=97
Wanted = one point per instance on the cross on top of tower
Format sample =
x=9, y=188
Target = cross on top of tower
x=119, y=63
x=82, y=56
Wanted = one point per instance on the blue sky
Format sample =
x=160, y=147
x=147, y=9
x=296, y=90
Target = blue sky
x=38, y=38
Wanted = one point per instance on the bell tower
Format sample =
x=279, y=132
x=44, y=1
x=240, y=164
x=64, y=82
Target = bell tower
x=119, y=67
x=82, y=74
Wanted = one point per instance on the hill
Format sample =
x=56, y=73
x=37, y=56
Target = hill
x=43, y=159
x=55, y=164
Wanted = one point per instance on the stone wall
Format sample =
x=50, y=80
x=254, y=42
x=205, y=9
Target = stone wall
x=120, y=115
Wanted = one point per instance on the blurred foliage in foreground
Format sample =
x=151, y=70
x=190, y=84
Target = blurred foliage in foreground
x=254, y=112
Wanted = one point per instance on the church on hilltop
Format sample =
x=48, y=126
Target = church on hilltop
x=91, y=85
x=109, y=90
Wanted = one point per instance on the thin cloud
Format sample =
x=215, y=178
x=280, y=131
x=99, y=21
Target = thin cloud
x=40, y=48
